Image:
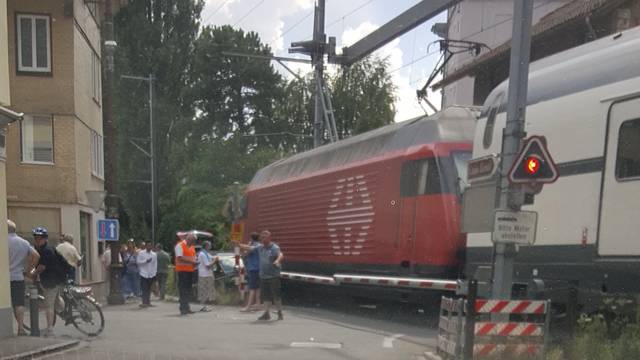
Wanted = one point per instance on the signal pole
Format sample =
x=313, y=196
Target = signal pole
x=512, y=196
x=317, y=57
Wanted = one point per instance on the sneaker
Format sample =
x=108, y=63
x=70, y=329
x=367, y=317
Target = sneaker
x=280, y=315
x=22, y=333
x=265, y=316
x=205, y=309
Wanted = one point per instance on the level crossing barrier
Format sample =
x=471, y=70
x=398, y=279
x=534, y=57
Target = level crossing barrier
x=487, y=328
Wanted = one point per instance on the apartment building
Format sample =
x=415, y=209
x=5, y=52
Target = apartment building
x=55, y=154
x=557, y=25
x=7, y=115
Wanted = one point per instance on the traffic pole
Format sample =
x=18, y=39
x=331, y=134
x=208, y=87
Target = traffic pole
x=511, y=196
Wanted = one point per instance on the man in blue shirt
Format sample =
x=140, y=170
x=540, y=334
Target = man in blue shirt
x=252, y=265
x=270, y=263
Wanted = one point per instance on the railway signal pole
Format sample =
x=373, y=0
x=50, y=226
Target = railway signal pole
x=512, y=195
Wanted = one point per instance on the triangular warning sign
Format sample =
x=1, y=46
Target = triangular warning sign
x=533, y=164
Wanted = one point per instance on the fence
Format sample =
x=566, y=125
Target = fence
x=475, y=329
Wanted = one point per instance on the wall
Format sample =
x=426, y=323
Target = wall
x=5, y=99
x=488, y=22
x=43, y=93
x=6, y=314
x=43, y=183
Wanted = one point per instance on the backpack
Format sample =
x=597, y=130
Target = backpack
x=63, y=266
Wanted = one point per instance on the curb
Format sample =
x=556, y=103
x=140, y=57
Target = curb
x=47, y=350
x=431, y=356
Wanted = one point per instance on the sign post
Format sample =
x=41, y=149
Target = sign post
x=108, y=230
x=511, y=196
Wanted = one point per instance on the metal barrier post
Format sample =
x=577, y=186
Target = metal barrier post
x=33, y=311
x=470, y=323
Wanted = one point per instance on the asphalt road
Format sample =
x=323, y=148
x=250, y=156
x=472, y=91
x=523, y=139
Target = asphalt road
x=307, y=332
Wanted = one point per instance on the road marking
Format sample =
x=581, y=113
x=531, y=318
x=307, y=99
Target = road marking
x=316, y=345
x=387, y=343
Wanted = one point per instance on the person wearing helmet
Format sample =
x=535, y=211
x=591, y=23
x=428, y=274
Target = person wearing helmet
x=50, y=273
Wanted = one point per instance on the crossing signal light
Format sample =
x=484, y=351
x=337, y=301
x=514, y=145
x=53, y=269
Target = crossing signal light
x=533, y=164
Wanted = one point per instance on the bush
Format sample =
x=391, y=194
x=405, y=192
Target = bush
x=599, y=339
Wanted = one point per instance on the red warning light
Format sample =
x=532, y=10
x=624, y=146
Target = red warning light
x=532, y=165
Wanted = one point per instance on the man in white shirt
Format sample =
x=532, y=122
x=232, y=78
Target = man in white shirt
x=70, y=254
x=206, y=280
x=22, y=259
x=148, y=267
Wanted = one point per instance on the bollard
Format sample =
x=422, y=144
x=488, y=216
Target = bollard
x=33, y=311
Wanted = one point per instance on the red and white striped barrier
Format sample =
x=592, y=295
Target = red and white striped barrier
x=508, y=329
x=314, y=279
x=511, y=306
x=483, y=350
x=416, y=283
x=240, y=278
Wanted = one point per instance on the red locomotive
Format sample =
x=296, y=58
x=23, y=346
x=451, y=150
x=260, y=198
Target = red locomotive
x=381, y=205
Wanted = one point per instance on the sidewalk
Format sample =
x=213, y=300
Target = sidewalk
x=26, y=347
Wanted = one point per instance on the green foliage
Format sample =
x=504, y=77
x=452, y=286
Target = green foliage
x=601, y=337
x=362, y=96
x=217, y=118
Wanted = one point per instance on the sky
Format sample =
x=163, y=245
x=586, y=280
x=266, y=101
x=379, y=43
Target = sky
x=280, y=22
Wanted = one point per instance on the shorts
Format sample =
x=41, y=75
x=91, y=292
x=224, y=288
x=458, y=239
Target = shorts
x=270, y=289
x=50, y=297
x=254, y=279
x=17, y=293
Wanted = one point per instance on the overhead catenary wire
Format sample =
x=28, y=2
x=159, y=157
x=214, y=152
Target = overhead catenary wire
x=351, y=12
x=215, y=11
x=248, y=13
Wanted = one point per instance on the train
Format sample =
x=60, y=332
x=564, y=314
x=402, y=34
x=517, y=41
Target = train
x=383, y=203
x=394, y=206
x=586, y=102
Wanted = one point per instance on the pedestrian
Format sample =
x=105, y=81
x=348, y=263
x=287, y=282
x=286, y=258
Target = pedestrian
x=22, y=259
x=106, y=261
x=252, y=264
x=206, y=280
x=51, y=274
x=70, y=254
x=148, y=267
x=164, y=259
x=125, y=288
x=270, y=263
x=132, y=274
x=185, y=266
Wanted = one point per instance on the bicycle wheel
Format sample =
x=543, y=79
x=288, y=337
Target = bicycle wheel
x=87, y=316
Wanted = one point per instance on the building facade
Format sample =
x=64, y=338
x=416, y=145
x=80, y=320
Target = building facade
x=6, y=116
x=557, y=25
x=55, y=155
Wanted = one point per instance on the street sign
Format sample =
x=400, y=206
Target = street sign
x=108, y=230
x=514, y=227
x=533, y=164
x=237, y=230
x=483, y=168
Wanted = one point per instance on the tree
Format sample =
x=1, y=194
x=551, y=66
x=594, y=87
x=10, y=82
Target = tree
x=363, y=97
x=154, y=37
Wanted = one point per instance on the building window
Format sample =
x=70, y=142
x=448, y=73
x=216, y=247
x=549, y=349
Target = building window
x=37, y=139
x=628, y=156
x=96, y=77
x=85, y=245
x=97, y=154
x=34, y=43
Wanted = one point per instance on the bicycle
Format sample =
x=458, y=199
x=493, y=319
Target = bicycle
x=75, y=305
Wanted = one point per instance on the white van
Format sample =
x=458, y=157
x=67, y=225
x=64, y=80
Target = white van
x=586, y=102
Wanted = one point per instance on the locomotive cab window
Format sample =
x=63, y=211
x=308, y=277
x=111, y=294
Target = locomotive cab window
x=420, y=177
x=628, y=155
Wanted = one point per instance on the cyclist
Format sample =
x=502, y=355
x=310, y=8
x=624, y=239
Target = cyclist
x=51, y=274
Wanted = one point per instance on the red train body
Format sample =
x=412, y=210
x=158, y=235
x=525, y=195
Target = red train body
x=382, y=203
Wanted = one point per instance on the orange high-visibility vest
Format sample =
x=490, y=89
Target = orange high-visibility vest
x=189, y=252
